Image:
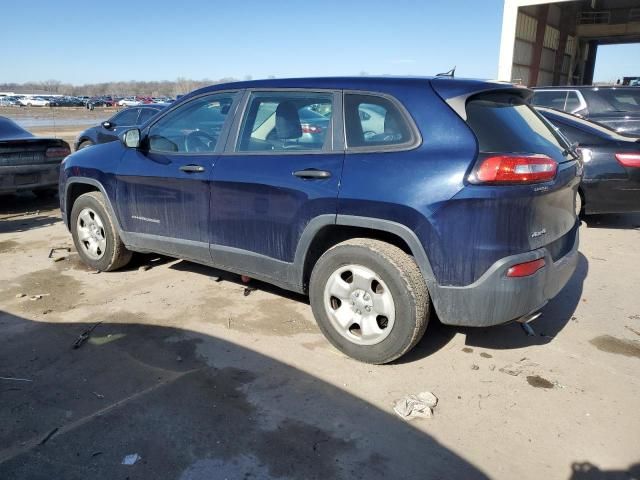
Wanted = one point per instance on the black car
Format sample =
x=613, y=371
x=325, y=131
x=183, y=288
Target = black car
x=66, y=102
x=109, y=130
x=611, y=182
x=28, y=162
x=615, y=107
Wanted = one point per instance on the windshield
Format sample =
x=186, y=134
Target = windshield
x=615, y=100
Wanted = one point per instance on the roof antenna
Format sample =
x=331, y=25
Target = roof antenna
x=451, y=73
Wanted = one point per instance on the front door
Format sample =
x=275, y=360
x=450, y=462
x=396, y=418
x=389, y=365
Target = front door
x=278, y=172
x=163, y=187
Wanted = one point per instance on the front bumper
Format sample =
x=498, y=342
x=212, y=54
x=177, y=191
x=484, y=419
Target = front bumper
x=495, y=299
x=28, y=177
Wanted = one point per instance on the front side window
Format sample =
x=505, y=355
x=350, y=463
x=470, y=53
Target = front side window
x=126, y=117
x=286, y=121
x=193, y=127
x=372, y=121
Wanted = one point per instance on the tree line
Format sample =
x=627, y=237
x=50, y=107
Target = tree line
x=164, y=88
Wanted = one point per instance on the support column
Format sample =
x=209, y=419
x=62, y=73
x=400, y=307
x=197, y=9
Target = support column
x=543, y=11
x=590, y=64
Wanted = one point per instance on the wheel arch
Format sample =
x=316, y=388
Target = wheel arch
x=327, y=230
x=78, y=186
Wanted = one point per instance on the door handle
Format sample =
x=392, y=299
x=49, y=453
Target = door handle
x=312, y=173
x=192, y=168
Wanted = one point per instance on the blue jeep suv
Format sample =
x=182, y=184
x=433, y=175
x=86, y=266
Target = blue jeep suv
x=415, y=196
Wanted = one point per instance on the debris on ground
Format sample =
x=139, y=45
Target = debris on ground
x=59, y=259
x=58, y=249
x=131, y=459
x=37, y=296
x=416, y=406
x=84, y=336
x=21, y=295
x=98, y=395
x=144, y=268
x=48, y=436
x=475, y=367
x=248, y=290
x=13, y=379
x=632, y=329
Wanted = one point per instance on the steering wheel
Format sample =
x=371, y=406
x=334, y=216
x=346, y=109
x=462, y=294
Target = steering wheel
x=199, y=141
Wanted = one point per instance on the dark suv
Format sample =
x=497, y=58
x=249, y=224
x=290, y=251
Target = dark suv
x=615, y=107
x=451, y=196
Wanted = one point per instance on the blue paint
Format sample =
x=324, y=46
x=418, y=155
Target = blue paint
x=253, y=202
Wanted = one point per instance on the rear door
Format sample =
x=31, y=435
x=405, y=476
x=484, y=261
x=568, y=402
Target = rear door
x=281, y=169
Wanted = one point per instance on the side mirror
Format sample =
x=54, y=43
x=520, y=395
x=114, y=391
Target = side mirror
x=107, y=124
x=131, y=138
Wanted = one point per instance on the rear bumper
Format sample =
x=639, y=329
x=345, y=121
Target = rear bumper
x=28, y=177
x=495, y=299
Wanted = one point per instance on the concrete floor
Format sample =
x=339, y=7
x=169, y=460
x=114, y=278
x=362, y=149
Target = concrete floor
x=204, y=383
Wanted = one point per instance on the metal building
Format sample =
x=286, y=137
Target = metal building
x=556, y=42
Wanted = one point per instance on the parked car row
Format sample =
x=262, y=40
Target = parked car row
x=79, y=101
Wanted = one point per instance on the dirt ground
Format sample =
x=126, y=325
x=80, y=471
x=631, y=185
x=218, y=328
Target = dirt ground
x=203, y=382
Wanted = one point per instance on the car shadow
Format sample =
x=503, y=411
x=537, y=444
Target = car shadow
x=613, y=221
x=588, y=471
x=555, y=315
x=181, y=404
x=25, y=211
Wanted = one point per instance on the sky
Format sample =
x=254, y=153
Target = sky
x=82, y=42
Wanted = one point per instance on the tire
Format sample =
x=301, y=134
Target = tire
x=401, y=321
x=110, y=253
x=84, y=144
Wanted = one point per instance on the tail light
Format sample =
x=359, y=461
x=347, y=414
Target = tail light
x=526, y=269
x=628, y=159
x=307, y=128
x=514, y=169
x=56, y=152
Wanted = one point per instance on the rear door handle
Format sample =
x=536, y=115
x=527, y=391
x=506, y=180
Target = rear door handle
x=312, y=173
x=192, y=168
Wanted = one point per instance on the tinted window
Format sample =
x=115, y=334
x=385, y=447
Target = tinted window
x=504, y=123
x=126, y=117
x=625, y=99
x=576, y=135
x=372, y=121
x=553, y=99
x=146, y=114
x=193, y=127
x=573, y=103
x=286, y=122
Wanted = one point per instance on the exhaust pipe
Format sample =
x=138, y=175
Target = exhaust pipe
x=525, y=320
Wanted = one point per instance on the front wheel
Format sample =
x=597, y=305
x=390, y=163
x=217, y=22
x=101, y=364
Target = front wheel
x=95, y=235
x=369, y=299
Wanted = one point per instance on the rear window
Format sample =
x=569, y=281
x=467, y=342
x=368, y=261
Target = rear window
x=504, y=123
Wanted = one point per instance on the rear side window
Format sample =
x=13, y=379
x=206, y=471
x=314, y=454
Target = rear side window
x=286, y=122
x=573, y=103
x=146, y=114
x=553, y=99
x=126, y=117
x=504, y=123
x=373, y=121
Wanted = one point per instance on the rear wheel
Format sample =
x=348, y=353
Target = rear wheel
x=369, y=299
x=95, y=235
